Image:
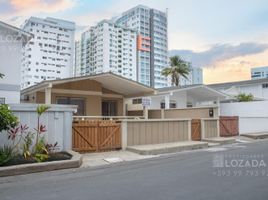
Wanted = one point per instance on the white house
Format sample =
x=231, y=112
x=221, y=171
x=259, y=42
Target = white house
x=258, y=88
x=12, y=40
x=179, y=97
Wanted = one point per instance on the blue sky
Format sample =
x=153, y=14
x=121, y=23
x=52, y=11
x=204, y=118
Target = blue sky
x=197, y=26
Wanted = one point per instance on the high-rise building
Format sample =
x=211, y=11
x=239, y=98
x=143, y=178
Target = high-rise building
x=77, y=58
x=49, y=55
x=259, y=72
x=108, y=47
x=152, y=43
x=194, y=77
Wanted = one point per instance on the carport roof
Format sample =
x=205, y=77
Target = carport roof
x=108, y=80
x=201, y=92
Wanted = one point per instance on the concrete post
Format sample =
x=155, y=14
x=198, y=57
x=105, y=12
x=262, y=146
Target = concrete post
x=48, y=95
x=189, y=130
x=145, y=112
x=167, y=101
x=162, y=114
x=202, y=129
x=218, y=127
x=124, y=134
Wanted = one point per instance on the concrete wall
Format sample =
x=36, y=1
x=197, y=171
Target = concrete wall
x=58, y=122
x=210, y=128
x=253, y=116
x=10, y=66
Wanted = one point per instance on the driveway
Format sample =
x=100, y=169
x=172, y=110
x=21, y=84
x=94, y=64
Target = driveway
x=215, y=174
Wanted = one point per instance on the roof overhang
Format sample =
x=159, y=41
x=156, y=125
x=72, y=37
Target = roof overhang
x=200, y=92
x=110, y=81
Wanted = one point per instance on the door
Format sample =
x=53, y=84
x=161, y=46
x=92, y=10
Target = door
x=109, y=108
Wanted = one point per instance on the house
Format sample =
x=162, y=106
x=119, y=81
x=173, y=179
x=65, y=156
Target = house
x=12, y=41
x=194, y=101
x=96, y=95
x=258, y=88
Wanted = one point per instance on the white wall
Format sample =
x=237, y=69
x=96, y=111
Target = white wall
x=58, y=122
x=10, y=63
x=253, y=116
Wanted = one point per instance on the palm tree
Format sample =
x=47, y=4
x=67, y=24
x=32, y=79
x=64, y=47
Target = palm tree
x=1, y=75
x=178, y=67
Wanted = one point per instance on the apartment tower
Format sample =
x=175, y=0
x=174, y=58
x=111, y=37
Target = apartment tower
x=49, y=55
x=152, y=43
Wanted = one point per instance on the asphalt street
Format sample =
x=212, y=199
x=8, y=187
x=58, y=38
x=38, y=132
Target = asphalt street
x=233, y=172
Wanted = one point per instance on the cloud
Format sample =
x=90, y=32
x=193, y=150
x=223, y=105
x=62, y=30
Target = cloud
x=219, y=52
x=36, y=6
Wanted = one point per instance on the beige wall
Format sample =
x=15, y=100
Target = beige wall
x=210, y=128
x=86, y=85
x=141, y=132
x=154, y=114
x=194, y=113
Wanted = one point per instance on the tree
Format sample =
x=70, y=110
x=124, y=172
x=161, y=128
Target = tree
x=245, y=97
x=178, y=67
x=2, y=75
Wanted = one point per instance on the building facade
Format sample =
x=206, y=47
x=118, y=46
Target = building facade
x=12, y=40
x=108, y=47
x=259, y=72
x=77, y=58
x=152, y=43
x=49, y=55
x=258, y=88
x=195, y=77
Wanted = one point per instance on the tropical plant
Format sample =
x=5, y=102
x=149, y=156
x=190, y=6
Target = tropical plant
x=30, y=143
x=6, y=154
x=178, y=68
x=245, y=97
x=2, y=75
x=7, y=118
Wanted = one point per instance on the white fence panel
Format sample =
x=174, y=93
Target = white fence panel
x=253, y=116
x=58, y=122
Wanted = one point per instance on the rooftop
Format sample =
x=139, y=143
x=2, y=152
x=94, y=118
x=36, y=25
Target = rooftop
x=237, y=83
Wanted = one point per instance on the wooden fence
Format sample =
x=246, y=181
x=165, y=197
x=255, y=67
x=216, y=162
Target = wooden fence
x=96, y=135
x=229, y=126
x=196, y=129
x=141, y=132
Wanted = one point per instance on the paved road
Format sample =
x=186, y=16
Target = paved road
x=190, y=175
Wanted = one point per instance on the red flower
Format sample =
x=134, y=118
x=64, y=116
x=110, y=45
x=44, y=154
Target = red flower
x=12, y=133
x=42, y=129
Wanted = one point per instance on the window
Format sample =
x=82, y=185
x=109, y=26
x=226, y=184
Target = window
x=80, y=102
x=137, y=101
x=2, y=100
x=265, y=85
x=172, y=104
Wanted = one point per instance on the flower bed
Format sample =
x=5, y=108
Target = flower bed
x=19, y=159
x=27, y=146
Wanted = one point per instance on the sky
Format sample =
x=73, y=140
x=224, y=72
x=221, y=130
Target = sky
x=224, y=37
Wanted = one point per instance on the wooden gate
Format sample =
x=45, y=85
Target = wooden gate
x=94, y=136
x=196, y=129
x=229, y=126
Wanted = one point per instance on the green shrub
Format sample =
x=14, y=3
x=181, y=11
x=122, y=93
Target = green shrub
x=5, y=154
x=245, y=97
x=7, y=118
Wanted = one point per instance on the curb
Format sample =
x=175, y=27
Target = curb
x=74, y=162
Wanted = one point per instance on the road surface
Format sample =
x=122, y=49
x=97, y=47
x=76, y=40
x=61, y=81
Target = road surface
x=212, y=174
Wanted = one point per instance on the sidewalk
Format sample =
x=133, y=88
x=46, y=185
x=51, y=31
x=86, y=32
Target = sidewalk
x=107, y=158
